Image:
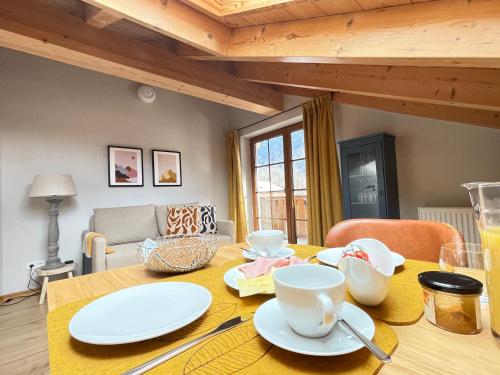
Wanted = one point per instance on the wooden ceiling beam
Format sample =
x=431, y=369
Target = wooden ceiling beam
x=464, y=87
x=479, y=117
x=99, y=18
x=242, y=7
x=436, y=33
x=173, y=19
x=33, y=28
x=300, y=91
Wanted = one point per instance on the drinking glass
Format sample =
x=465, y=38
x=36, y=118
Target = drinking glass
x=466, y=259
x=485, y=199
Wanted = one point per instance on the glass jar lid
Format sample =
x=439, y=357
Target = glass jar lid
x=449, y=282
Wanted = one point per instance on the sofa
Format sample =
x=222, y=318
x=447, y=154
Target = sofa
x=124, y=227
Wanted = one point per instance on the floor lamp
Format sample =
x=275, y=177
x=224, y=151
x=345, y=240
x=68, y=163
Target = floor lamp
x=53, y=187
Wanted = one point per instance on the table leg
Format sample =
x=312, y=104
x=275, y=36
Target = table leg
x=44, y=290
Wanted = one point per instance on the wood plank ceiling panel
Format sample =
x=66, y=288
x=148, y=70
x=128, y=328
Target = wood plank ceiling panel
x=240, y=13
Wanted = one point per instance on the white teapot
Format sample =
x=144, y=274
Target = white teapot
x=368, y=281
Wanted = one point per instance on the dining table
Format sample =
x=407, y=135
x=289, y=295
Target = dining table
x=422, y=347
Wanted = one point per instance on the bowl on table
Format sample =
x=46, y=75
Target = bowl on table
x=174, y=254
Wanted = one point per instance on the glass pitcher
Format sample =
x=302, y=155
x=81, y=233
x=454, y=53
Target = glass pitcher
x=485, y=199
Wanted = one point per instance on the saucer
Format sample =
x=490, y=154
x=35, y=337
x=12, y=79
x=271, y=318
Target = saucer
x=234, y=274
x=272, y=326
x=333, y=255
x=285, y=252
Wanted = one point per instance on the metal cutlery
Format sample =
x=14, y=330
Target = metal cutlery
x=141, y=369
x=372, y=347
x=311, y=258
x=251, y=252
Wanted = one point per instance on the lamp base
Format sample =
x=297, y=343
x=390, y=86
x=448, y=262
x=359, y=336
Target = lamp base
x=53, y=263
x=53, y=260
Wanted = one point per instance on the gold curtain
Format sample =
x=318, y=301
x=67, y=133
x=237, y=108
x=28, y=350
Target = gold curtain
x=237, y=211
x=324, y=192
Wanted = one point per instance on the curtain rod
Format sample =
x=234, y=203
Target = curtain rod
x=270, y=117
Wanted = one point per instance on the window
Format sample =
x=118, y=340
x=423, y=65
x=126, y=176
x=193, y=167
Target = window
x=279, y=182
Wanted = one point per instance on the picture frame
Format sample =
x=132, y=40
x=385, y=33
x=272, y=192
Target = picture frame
x=125, y=166
x=167, y=168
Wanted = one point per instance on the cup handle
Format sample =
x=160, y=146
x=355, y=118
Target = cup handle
x=328, y=311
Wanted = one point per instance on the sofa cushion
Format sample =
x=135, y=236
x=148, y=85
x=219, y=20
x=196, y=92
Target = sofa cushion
x=124, y=255
x=208, y=221
x=183, y=220
x=126, y=224
x=162, y=213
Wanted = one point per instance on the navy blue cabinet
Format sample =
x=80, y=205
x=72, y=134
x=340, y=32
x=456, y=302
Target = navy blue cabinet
x=369, y=177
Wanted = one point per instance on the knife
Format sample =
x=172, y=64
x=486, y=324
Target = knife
x=152, y=363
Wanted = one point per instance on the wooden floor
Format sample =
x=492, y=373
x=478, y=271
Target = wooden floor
x=23, y=338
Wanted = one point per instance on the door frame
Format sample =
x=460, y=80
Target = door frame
x=287, y=150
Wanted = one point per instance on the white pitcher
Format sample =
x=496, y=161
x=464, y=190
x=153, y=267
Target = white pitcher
x=368, y=283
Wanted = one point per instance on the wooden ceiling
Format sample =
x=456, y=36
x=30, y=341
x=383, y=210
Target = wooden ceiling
x=433, y=58
x=242, y=13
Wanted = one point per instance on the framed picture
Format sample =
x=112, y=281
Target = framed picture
x=125, y=166
x=167, y=168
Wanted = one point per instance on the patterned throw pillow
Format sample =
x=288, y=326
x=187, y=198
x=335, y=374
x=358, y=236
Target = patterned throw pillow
x=183, y=220
x=208, y=222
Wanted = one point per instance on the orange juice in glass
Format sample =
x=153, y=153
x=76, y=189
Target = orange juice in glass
x=485, y=198
x=490, y=239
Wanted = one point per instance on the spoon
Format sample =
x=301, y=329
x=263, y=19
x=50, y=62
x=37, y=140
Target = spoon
x=253, y=252
x=376, y=351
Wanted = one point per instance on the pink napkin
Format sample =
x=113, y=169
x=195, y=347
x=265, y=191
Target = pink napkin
x=263, y=266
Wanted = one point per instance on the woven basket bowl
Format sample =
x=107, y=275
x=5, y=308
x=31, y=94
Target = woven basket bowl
x=180, y=254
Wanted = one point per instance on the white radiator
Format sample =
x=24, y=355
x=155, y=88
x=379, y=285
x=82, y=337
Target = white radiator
x=461, y=218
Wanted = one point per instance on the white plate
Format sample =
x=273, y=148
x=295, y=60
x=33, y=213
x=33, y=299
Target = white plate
x=333, y=255
x=284, y=253
x=139, y=313
x=234, y=274
x=271, y=325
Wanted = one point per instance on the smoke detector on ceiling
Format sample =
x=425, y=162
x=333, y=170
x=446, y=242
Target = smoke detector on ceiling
x=146, y=94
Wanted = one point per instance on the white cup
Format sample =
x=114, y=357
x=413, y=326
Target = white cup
x=310, y=297
x=267, y=243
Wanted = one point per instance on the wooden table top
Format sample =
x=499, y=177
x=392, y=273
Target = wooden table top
x=423, y=348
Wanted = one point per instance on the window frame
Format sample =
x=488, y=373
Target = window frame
x=289, y=190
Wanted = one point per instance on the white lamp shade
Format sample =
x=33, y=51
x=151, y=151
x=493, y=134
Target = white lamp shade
x=52, y=185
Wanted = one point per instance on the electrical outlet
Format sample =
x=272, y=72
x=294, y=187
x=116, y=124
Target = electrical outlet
x=36, y=264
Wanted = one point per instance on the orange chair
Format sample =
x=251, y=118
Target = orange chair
x=415, y=239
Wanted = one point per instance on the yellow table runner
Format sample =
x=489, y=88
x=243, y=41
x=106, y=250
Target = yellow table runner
x=239, y=350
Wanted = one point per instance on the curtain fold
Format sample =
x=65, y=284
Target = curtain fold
x=237, y=211
x=324, y=192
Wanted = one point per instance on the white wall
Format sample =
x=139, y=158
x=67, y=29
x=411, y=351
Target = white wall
x=433, y=157
x=57, y=118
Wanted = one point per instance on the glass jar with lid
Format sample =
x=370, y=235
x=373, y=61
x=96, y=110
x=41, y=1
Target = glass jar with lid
x=451, y=301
